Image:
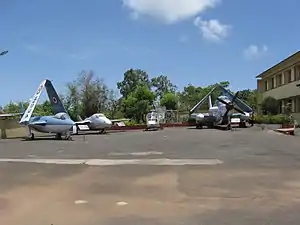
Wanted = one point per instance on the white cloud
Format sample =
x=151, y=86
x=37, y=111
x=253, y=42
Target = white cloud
x=169, y=11
x=212, y=30
x=254, y=51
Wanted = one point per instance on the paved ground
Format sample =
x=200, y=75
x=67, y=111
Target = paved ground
x=257, y=183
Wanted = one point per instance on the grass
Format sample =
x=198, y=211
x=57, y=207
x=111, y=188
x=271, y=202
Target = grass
x=21, y=132
x=17, y=132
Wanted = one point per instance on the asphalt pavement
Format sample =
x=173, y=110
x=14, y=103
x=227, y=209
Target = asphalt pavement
x=175, y=176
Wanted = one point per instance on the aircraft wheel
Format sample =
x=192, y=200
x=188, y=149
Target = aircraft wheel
x=102, y=131
x=229, y=127
x=58, y=136
x=69, y=137
x=199, y=126
x=31, y=136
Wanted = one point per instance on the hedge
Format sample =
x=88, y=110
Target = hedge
x=272, y=119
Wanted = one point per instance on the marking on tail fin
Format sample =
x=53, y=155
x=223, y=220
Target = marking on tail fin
x=33, y=101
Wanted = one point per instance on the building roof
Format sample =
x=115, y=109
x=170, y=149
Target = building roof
x=276, y=65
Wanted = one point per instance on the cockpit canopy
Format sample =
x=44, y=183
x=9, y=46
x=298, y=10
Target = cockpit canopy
x=153, y=116
x=224, y=98
x=62, y=116
x=99, y=115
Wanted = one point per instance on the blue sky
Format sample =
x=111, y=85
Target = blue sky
x=191, y=41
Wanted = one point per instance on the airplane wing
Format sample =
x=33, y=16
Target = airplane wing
x=28, y=113
x=6, y=115
x=83, y=122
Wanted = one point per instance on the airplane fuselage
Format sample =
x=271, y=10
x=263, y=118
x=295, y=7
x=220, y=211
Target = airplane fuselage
x=99, y=123
x=50, y=124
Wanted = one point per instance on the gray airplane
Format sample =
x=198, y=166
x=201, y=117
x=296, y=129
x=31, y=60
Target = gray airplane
x=60, y=123
x=220, y=114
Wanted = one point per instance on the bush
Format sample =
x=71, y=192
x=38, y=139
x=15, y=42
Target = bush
x=272, y=119
x=131, y=123
x=270, y=106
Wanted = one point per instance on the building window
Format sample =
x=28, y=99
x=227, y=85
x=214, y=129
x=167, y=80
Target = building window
x=298, y=104
x=288, y=76
x=272, y=83
x=279, y=80
x=266, y=85
x=297, y=72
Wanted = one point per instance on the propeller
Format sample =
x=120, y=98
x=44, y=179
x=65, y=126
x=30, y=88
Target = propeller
x=230, y=106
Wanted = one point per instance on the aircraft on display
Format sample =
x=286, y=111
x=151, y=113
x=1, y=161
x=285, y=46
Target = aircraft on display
x=60, y=123
x=97, y=121
x=153, y=121
x=219, y=114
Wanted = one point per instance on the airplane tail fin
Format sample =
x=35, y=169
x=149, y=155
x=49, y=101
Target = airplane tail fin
x=56, y=104
x=209, y=101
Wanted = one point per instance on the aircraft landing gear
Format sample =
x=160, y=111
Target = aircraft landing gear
x=199, y=126
x=30, y=135
x=68, y=136
x=102, y=131
x=58, y=136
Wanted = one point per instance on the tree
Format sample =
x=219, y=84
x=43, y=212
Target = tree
x=113, y=105
x=249, y=97
x=170, y=101
x=86, y=95
x=270, y=106
x=138, y=103
x=191, y=95
x=162, y=85
x=12, y=107
x=132, y=79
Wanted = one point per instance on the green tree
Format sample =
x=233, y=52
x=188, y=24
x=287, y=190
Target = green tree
x=249, y=97
x=86, y=95
x=170, y=101
x=270, y=106
x=43, y=109
x=114, y=105
x=162, y=85
x=12, y=107
x=138, y=103
x=132, y=79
